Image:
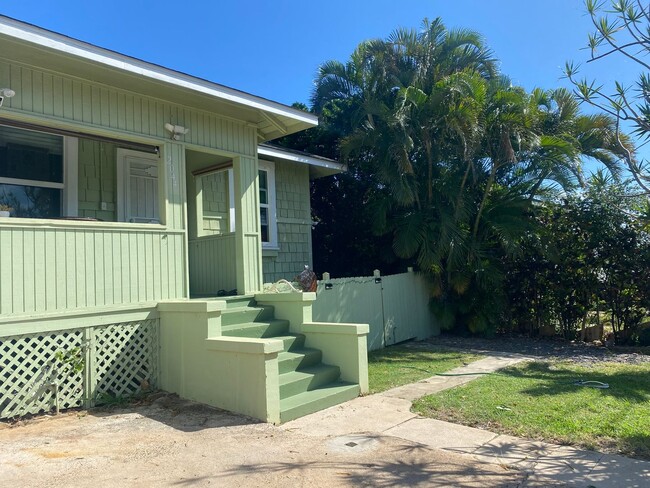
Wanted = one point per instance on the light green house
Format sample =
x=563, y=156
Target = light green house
x=138, y=197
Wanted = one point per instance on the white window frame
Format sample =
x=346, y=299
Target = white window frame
x=231, y=199
x=269, y=167
x=122, y=182
x=69, y=203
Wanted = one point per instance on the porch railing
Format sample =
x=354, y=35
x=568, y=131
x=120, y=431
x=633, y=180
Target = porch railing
x=212, y=264
x=52, y=266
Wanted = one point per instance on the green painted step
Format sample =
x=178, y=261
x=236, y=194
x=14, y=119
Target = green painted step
x=266, y=330
x=242, y=315
x=292, y=341
x=307, y=379
x=298, y=358
x=312, y=401
x=238, y=301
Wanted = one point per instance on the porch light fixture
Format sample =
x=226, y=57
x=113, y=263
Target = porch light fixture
x=6, y=93
x=176, y=131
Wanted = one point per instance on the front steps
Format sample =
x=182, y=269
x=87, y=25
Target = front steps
x=307, y=385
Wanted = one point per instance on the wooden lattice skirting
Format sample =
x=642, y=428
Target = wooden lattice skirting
x=76, y=367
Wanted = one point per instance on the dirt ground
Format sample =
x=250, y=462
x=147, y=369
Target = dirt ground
x=173, y=442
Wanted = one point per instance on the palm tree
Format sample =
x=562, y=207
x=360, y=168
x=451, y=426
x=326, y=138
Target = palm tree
x=456, y=154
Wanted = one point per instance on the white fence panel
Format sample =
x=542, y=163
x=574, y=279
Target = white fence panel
x=396, y=307
x=352, y=300
x=406, y=308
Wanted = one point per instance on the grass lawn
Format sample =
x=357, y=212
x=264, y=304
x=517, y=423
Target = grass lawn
x=538, y=400
x=399, y=365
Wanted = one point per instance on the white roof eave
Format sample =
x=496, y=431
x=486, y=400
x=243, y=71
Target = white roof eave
x=73, y=47
x=300, y=158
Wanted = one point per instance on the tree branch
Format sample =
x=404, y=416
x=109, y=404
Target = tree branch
x=606, y=37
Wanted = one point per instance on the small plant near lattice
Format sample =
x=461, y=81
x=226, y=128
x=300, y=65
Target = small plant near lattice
x=75, y=367
x=71, y=358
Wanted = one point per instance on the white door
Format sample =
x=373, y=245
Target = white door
x=138, y=187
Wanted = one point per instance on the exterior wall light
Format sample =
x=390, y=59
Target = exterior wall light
x=176, y=131
x=6, y=93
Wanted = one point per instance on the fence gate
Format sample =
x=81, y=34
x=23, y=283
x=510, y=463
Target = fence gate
x=396, y=306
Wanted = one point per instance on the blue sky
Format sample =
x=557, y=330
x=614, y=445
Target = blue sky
x=273, y=48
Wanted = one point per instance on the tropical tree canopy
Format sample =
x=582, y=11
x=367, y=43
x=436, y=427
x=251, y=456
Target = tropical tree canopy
x=452, y=159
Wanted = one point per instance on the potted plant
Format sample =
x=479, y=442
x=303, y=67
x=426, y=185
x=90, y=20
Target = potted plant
x=5, y=210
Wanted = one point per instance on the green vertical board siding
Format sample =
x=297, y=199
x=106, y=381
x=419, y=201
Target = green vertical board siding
x=216, y=203
x=175, y=187
x=247, y=229
x=294, y=223
x=212, y=265
x=92, y=104
x=55, y=267
x=140, y=264
x=97, y=179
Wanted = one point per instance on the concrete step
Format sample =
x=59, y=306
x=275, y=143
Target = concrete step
x=266, y=330
x=298, y=358
x=239, y=301
x=312, y=401
x=292, y=341
x=242, y=315
x=307, y=379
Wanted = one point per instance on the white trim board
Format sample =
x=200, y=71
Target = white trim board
x=300, y=158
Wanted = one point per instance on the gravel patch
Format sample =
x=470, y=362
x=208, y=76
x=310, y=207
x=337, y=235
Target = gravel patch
x=544, y=349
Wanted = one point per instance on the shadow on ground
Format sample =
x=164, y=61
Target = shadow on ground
x=409, y=465
x=556, y=379
x=175, y=412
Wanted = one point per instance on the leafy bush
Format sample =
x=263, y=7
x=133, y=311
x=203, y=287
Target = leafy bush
x=591, y=254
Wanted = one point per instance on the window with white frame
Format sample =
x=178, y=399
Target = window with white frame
x=268, y=219
x=31, y=173
x=138, y=187
x=216, y=204
x=216, y=193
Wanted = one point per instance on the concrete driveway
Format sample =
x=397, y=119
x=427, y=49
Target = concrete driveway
x=172, y=442
x=370, y=441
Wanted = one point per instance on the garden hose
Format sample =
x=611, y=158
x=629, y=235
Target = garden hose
x=592, y=384
x=449, y=374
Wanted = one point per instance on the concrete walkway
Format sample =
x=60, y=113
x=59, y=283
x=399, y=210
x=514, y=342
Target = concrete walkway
x=361, y=421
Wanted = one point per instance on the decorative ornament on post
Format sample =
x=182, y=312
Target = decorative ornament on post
x=307, y=279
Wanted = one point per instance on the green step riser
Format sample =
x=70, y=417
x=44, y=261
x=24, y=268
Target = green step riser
x=310, y=359
x=328, y=375
x=261, y=331
x=245, y=315
x=297, y=342
x=320, y=404
x=237, y=302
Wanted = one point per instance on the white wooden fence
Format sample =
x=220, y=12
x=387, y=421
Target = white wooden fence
x=396, y=306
